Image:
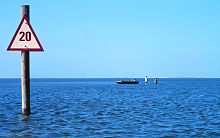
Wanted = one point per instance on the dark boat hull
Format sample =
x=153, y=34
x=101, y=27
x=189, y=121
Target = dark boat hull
x=127, y=82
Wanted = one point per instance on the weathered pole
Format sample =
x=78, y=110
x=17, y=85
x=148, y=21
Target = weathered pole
x=25, y=70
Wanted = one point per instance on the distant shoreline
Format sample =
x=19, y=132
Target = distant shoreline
x=185, y=77
x=127, y=78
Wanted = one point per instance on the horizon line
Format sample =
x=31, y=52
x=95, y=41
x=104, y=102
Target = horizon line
x=117, y=78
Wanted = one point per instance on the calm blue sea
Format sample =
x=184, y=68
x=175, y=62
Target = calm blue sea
x=102, y=108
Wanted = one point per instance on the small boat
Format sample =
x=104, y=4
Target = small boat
x=128, y=82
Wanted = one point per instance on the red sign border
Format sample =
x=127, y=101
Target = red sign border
x=16, y=33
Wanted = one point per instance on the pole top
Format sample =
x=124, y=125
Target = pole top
x=25, y=11
x=25, y=5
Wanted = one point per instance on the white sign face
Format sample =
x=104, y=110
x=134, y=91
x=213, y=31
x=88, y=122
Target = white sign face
x=25, y=38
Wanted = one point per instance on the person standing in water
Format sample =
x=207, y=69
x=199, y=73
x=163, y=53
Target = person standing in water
x=146, y=79
x=155, y=81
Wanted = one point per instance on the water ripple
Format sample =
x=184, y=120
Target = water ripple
x=101, y=108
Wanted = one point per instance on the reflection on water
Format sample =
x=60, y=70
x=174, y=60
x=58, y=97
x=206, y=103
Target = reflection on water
x=102, y=108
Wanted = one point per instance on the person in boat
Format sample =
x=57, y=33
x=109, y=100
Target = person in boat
x=134, y=80
x=146, y=79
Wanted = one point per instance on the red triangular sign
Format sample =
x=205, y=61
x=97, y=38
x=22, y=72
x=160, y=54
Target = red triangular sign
x=25, y=38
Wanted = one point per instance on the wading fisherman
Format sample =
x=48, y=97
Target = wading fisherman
x=146, y=79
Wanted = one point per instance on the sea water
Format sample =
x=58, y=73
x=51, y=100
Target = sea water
x=102, y=108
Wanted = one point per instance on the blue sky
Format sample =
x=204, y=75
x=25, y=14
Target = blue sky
x=116, y=38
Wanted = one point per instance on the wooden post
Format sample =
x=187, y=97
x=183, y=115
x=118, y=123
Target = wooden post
x=25, y=71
